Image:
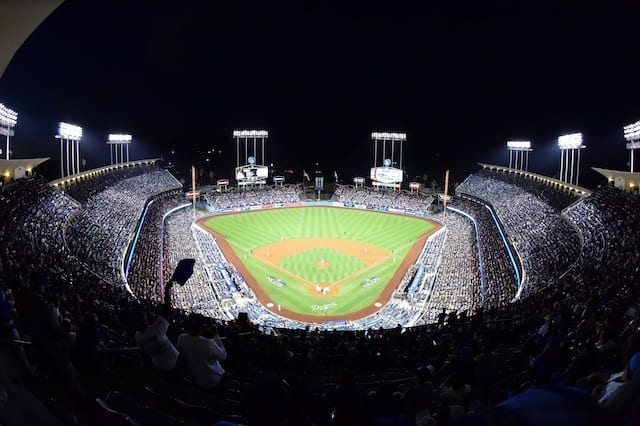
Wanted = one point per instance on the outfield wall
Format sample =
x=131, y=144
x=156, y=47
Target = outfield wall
x=317, y=204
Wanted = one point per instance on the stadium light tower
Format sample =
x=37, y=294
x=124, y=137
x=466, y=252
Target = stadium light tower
x=245, y=135
x=632, y=135
x=8, y=120
x=390, y=173
x=570, y=143
x=69, y=133
x=385, y=137
x=118, y=140
x=521, y=150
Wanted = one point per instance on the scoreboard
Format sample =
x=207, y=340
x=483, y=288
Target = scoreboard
x=252, y=174
x=386, y=175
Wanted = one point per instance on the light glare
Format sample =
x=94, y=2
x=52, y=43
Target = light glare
x=570, y=141
x=632, y=132
x=519, y=144
x=117, y=137
x=69, y=131
x=8, y=117
x=250, y=134
x=389, y=136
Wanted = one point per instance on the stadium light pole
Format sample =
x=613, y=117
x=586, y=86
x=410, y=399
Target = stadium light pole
x=119, y=141
x=385, y=137
x=569, y=144
x=8, y=120
x=240, y=136
x=69, y=133
x=521, y=150
x=390, y=172
x=632, y=136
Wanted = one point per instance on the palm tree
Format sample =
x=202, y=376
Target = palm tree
x=211, y=175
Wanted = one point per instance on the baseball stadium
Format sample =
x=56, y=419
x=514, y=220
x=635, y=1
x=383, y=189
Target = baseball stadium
x=260, y=269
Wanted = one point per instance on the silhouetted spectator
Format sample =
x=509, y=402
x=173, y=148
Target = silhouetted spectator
x=203, y=355
x=347, y=400
x=153, y=339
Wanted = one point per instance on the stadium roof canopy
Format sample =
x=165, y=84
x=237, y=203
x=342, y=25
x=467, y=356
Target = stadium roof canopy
x=8, y=167
x=18, y=19
x=623, y=180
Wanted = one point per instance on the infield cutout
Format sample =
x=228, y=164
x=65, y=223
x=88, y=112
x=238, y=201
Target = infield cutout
x=370, y=254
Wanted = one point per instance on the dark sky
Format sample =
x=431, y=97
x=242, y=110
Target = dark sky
x=320, y=76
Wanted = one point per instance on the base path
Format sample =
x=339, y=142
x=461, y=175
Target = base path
x=264, y=299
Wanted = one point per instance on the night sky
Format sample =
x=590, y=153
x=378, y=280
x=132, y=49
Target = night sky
x=321, y=76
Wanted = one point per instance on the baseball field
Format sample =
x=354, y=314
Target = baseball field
x=320, y=263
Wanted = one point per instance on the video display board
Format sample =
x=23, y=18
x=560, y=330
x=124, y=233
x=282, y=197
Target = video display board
x=252, y=173
x=386, y=174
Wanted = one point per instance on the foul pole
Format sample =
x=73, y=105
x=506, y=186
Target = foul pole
x=446, y=190
x=193, y=190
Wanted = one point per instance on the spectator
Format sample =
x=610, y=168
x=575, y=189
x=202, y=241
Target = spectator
x=609, y=385
x=347, y=400
x=203, y=355
x=267, y=402
x=153, y=339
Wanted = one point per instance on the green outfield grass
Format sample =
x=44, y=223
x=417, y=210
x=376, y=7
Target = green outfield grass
x=248, y=231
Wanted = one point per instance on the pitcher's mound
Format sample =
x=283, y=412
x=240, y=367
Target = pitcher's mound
x=322, y=264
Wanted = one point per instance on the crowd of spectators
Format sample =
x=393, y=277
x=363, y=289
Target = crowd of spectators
x=142, y=265
x=197, y=294
x=553, y=195
x=31, y=215
x=416, y=286
x=410, y=202
x=224, y=286
x=84, y=188
x=457, y=284
x=247, y=197
x=563, y=347
x=63, y=308
x=536, y=229
x=500, y=282
x=100, y=232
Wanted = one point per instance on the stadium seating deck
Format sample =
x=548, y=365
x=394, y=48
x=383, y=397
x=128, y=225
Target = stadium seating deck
x=63, y=295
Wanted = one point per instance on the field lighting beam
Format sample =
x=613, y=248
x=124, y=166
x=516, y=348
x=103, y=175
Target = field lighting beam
x=8, y=120
x=521, y=150
x=632, y=136
x=69, y=134
x=570, y=145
